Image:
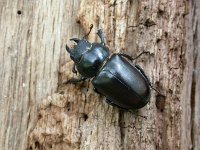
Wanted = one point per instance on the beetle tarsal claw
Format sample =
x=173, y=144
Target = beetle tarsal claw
x=75, y=40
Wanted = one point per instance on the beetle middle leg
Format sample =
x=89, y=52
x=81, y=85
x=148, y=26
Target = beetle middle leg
x=75, y=80
x=131, y=58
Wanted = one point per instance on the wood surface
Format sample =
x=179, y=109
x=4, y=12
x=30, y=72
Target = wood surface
x=38, y=111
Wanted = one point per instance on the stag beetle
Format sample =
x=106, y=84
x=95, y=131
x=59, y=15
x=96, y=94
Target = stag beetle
x=124, y=84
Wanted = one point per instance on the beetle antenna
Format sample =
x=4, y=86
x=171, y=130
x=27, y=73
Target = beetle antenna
x=91, y=26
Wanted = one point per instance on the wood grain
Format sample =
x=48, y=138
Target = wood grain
x=39, y=112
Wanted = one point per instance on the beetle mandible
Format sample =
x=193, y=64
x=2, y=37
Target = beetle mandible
x=123, y=83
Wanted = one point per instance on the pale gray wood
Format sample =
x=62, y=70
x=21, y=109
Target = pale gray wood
x=31, y=47
x=195, y=24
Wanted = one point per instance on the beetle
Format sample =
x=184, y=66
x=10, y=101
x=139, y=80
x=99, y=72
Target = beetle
x=123, y=83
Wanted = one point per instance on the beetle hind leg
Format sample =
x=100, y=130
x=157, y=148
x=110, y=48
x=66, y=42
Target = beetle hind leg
x=142, y=71
x=147, y=79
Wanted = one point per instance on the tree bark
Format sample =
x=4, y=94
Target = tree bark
x=38, y=111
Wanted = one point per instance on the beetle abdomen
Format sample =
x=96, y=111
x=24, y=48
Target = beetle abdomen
x=122, y=83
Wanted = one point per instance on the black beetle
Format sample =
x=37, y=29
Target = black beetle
x=124, y=84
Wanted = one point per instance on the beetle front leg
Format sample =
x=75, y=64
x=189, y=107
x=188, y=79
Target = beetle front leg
x=75, y=80
x=101, y=36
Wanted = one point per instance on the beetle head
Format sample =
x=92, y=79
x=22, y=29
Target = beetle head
x=79, y=49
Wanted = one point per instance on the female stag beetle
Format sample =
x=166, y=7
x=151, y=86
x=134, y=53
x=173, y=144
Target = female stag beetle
x=124, y=84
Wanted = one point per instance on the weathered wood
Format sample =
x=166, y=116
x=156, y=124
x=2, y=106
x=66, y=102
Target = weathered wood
x=31, y=46
x=194, y=46
x=39, y=112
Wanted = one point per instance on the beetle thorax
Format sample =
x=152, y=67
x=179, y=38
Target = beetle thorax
x=92, y=60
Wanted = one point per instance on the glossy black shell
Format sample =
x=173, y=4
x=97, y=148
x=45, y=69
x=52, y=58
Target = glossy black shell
x=92, y=60
x=122, y=83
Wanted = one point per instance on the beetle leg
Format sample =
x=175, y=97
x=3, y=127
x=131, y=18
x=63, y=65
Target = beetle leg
x=147, y=79
x=135, y=112
x=130, y=58
x=125, y=109
x=144, y=52
x=75, y=80
x=142, y=71
x=125, y=55
x=101, y=36
x=122, y=109
x=74, y=69
x=113, y=104
x=110, y=102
